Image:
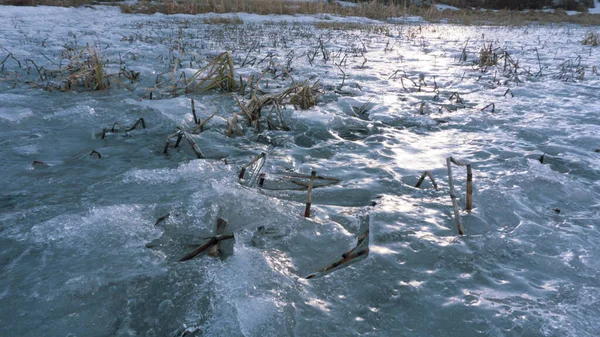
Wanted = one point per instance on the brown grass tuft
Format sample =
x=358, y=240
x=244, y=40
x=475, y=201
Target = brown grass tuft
x=591, y=39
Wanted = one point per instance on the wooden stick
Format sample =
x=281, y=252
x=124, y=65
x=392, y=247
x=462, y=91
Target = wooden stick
x=313, y=175
x=211, y=241
x=453, y=196
x=214, y=250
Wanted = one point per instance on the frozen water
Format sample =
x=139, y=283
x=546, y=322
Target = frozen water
x=80, y=252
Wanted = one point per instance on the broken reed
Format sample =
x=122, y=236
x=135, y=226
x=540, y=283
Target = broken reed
x=214, y=251
x=114, y=128
x=348, y=256
x=469, y=201
x=179, y=135
x=426, y=174
x=313, y=176
x=250, y=163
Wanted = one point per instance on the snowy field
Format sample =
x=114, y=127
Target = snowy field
x=82, y=250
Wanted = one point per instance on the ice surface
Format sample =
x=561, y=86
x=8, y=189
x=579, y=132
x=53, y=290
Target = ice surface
x=81, y=253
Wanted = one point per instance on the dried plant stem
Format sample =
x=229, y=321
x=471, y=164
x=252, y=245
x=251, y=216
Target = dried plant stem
x=194, y=112
x=426, y=174
x=251, y=162
x=201, y=125
x=347, y=256
x=469, y=203
x=298, y=175
x=313, y=175
x=162, y=218
x=194, y=146
x=94, y=152
x=214, y=250
x=453, y=196
x=211, y=241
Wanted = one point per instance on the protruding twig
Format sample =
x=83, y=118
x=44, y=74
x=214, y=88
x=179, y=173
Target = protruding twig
x=254, y=160
x=341, y=262
x=200, y=125
x=490, y=105
x=162, y=218
x=426, y=174
x=94, y=152
x=37, y=162
x=313, y=175
x=361, y=239
x=194, y=112
x=211, y=241
x=194, y=146
x=141, y=120
x=469, y=202
x=261, y=179
x=214, y=250
x=453, y=196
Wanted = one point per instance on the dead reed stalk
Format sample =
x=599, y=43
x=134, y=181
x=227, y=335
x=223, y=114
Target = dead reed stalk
x=426, y=174
x=313, y=176
x=453, y=196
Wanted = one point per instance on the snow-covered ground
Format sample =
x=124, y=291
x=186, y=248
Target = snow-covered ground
x=82, y=252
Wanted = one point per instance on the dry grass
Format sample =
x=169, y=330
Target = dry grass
x=223, y=20
x=218, y=74
x=591, y=39
x=373, y=9
x=508, y=17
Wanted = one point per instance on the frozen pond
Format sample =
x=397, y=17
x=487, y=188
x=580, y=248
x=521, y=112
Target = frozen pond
x=82, y=252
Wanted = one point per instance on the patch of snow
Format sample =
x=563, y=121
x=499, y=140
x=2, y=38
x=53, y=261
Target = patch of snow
x=407, y=19
x=441, y=7
x=347, y=4
x=595, y=10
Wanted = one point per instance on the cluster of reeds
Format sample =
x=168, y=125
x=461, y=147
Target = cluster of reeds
x=86, y=70
x=488, y=56
x=217, y=74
